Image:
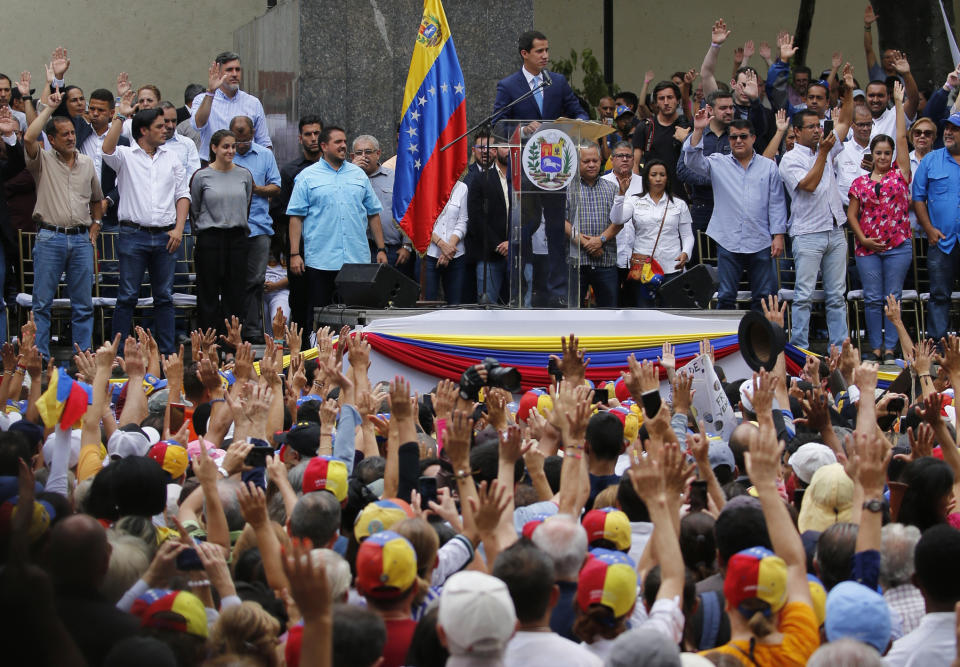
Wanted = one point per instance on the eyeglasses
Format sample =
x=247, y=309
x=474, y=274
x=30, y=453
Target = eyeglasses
x=739, y=137
x=622, y=156
x=924, y=133
x=366, y=151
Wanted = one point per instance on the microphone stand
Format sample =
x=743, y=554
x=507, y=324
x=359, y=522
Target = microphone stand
x=489, y=120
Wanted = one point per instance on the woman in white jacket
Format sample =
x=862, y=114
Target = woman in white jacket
x=662, y=225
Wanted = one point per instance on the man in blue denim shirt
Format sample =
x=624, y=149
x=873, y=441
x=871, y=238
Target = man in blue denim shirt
x=936, y=193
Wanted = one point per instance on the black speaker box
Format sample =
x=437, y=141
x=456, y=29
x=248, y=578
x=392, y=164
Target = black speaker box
x=375, y=286
x=691, y=289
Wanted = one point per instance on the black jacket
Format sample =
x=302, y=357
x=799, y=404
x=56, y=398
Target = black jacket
x=488, y=223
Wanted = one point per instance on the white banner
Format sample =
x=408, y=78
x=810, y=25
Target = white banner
x=710, y=403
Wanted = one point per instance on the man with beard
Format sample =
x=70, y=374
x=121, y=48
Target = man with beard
x=223, y=100
x=716, y=139
x=662, y=136
x=878, y=97
x=184, y=148
x=310, y=127
x=487, y=244
x=332, y=204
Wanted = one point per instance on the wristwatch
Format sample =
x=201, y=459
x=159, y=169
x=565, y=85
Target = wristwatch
x=873, y=505
x=603, y=239
x=381, y=250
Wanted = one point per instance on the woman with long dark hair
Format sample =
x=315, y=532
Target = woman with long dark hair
x=662, y=225
x=219, y=208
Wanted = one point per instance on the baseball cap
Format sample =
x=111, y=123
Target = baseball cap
x=304, y=437
x=379, y=516
x=171, y=455
x=477, y=614
x=756, y=573
x=857, y=92
x=856, y=612
x=818, y=595
x=386, y=565
x=129, y=440
x=630, y=421
x=214, y=452
x=954, y=119
x=533, y=398
x=608, y=578
x=324, y=473
x=171, y=610
x=40, y=517
x=809, y=458
x=720, y=454
x=621, y=110
x=608, y=524
x=828, y=499
x=75, y=441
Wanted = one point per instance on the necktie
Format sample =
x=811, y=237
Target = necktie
x=538, y=93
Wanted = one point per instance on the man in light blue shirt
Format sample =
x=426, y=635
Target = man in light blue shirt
x=936, y=196
x=261, y=164
x=749, y=215
x=223, y=101
x=332, y=205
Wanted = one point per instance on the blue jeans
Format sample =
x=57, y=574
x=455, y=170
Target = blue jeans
x=139, y=251
x=54, y=252
x=603, y=279
x=881, y=274
x=496, y=272
x=451, y=276
x=730, y=267
x=941, y=267
x=826, y=253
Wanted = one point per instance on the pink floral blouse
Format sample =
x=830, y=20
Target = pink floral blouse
x=883, y=214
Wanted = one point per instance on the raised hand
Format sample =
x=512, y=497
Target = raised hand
x=307, y=576
x=873, y=454
x=898, y=92
x=701, y=119
x=8, y=124
x=512, y=445
x=682, y=394
x=294, y=337
x=930, y=412
x=748, y=49
x=125, y=107
x=836, y=60
x=892, y=310
x=54, y=98
x=253, y=504
x=667, y=357
x=572, y=363
x=59, y=62
x=868, y=15
x=719, y=33
x=774, y=310
x=215, y=78
x=764, y=51
x=764, y=388
x=763, y=456
x=751, y=86
x=133, y=357
x=456, y=438
x=921, y=443
x=787, y=49
x=488, y=506
x=646, y=477
x=690, y=76
x=23, y=85
x=900, y=63
x=648, y=76
x=737, y=57
x=123, y=84
x=234, y=329
x=865, y=377
x=783, y=123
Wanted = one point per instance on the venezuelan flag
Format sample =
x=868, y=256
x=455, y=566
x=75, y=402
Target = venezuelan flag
x=434, y=114
x=64, y=401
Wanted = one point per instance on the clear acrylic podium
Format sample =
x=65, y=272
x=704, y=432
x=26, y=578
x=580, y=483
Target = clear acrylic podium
x=543, y=265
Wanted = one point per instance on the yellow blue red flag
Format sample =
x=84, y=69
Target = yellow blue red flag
x=434, y=114
x=64, y=401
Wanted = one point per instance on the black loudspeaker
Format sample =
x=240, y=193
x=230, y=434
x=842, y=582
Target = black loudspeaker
x=760, y=341
x=375, y=286
x=691, y=289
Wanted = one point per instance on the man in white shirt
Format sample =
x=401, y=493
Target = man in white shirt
x=847, y=163
x=184, y=148
x=154, y=200
x=816, y=222
x=529, y=574
x=622, y=158
x=878, y=99
x=223, y=100
x=934, y=642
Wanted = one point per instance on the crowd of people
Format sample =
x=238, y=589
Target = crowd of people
x=209, y=508
x=804, y=186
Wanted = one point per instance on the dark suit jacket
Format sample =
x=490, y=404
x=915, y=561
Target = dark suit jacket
x=558, y=99
x=108, y=183
x=488, y=221
x=11, y=164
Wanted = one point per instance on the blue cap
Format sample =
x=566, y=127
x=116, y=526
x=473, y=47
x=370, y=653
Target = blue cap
x=954, y=119
x=857, y=612
x=622, y=109
x=721, y=454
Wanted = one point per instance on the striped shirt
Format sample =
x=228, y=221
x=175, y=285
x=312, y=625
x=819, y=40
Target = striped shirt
x=590, y=210
x=224, y=109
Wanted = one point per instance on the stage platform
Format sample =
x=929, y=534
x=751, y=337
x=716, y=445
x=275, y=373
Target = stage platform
x=426, y=346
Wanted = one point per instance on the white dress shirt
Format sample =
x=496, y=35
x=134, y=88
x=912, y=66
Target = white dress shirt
x=149, y=187
x=186, y=150
x=452, y=220
x=887, y=124
x=934, y=642
x=847, y=166
x=811, y=211
x=528, y=649
x=93, y=148
x=625, y=236
x=677, y=234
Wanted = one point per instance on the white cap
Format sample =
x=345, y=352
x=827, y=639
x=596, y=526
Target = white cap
x=127, y=443
x=809, y=458
x=74, y=447
x=476, y=613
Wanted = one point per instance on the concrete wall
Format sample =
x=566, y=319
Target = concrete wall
x=105, y=37
x=667, y=37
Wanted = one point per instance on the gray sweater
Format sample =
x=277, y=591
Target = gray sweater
x=220, y=199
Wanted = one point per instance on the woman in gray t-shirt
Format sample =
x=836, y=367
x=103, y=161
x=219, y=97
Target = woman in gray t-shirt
x=220, y=204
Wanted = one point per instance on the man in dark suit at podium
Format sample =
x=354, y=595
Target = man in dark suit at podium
x=553, y=100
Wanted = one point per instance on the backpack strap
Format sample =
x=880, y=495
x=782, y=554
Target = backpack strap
x=710, y=604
